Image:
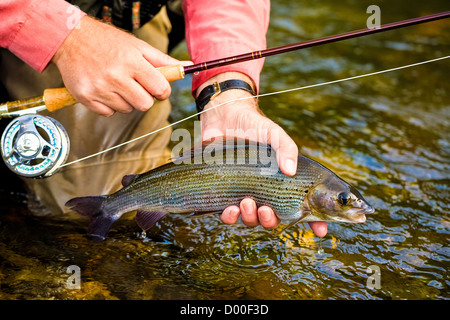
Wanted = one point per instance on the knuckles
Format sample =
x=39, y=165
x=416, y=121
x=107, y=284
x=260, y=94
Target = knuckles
x=107, y=112
x=144, y=104
x=161, y=91
x=100, y=96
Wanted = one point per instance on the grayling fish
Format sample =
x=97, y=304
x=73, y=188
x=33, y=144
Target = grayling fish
x=220, y=173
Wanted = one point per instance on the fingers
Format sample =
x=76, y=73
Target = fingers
x=124, y=93
x=106, y=104
x=230, y=215
x=267, y=218
x=264, y=215
x=150, y=78
x=319, y=228
x=287, y=159
x=286, y=149
x=139, y=91
x=250, y=215
x=129, y=93
x=156, y=57
x=100, y=108
x=153, y=82
x=120, y=75
x=138, y=97
x=248, y=212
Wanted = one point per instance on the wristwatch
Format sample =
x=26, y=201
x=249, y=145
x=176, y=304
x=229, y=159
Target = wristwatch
x=211, y=91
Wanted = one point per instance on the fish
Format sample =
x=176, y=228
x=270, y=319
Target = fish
x=221, y=172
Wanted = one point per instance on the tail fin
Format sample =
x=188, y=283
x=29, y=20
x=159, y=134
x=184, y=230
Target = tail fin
x=93, y=208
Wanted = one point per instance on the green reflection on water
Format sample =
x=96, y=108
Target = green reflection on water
x=388, y=135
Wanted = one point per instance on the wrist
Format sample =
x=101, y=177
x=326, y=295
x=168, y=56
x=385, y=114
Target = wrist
x=227, y=106
x=231, y=86
x=223, y=77
x=72, y=40
x=209, y=93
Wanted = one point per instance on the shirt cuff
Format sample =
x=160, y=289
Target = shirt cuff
x=226, y=29
x=40, y=32
x=227, y=49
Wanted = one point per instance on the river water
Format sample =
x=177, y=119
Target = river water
x=387, y=134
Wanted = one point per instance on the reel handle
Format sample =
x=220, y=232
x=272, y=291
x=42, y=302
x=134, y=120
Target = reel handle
x=58, y=98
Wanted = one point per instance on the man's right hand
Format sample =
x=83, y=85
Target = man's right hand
x=109, y=70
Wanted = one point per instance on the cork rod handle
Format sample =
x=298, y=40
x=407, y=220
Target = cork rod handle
x=59, y=98
x=172, y=73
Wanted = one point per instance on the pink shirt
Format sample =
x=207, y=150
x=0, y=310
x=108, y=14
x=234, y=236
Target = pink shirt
x=219, y=29
x=34, y=30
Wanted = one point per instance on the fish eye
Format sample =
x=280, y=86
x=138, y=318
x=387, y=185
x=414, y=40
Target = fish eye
x=343, y=198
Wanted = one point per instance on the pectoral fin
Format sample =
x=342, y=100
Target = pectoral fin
x=146, y=219
x=305, y=211
x=303, y=214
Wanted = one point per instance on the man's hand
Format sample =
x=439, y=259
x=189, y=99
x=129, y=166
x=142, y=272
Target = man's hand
x=109, y=70
x=241, y=118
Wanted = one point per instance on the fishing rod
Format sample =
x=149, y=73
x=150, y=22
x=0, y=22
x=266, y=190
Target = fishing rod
x=312, y=43
x=54, y=99
x=28, y=153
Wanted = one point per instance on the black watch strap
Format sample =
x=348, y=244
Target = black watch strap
x=211, y=91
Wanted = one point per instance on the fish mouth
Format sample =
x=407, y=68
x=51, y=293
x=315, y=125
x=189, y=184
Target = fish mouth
x=369, y=210
x=360, y=218
x=358, y=215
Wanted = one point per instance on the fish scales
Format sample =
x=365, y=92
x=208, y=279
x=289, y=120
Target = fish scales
x=203, y=188
x=209, y=181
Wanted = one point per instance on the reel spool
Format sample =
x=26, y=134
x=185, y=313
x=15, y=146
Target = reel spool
x=34, y=146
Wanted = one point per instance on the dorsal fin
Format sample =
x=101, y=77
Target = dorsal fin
x=129, y=179
x=218, y=144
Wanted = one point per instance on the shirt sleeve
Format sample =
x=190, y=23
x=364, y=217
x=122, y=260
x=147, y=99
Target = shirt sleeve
x=219, y=29
x=34, y=30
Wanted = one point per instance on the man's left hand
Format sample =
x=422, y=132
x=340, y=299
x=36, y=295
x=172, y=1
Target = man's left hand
x=238, y=119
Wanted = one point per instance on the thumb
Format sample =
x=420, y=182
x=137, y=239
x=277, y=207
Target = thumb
x=286, y=149
x=158, y=58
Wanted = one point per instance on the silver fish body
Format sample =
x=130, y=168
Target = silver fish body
x=221, y=173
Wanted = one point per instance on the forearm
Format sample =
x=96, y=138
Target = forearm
x=224, y=29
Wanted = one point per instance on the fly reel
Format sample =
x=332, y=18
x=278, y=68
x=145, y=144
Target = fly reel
x=34, y=146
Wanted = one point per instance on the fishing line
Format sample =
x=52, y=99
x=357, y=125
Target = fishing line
x=255, y=96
